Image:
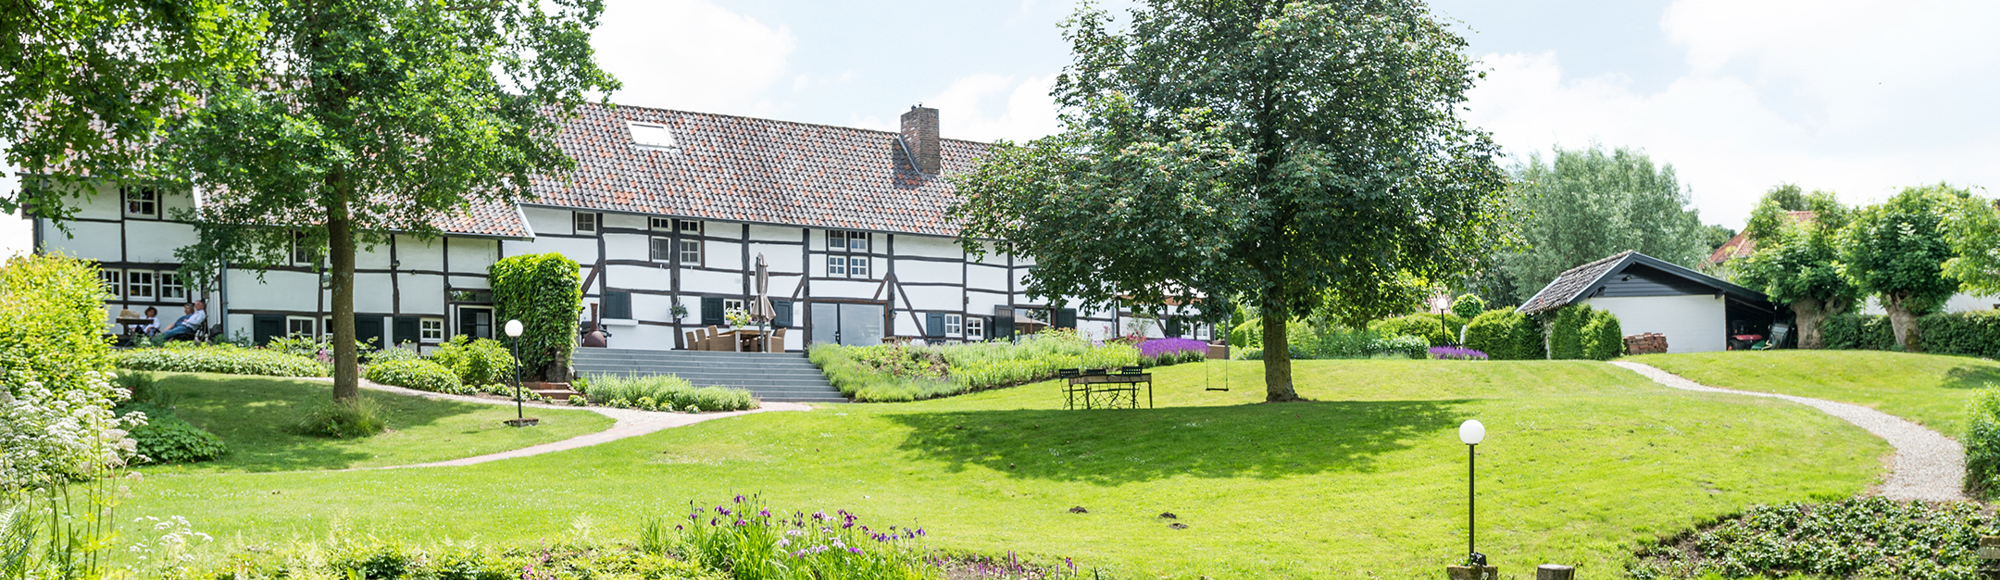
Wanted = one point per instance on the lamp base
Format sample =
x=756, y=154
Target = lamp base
x=1472, y=572
x=528, y=422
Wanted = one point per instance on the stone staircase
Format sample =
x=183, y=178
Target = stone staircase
x=771, y=376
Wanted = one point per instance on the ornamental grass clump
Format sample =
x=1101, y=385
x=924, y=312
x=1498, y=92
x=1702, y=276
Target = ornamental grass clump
x=664, y=393
x=341, y=420
x=748, y=541
x=1456, y=353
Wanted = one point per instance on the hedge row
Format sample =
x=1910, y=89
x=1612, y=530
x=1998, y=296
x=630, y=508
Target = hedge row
x=1960, y=333
x=219, y=358
x=1582, y=332
x=1435, y=329
x=1504, y=334
x=417, y=374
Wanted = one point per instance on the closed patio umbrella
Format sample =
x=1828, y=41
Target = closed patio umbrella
x=761, y=311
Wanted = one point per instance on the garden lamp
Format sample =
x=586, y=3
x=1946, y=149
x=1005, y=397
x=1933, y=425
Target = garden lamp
x=1471, y=432
x=514, y=333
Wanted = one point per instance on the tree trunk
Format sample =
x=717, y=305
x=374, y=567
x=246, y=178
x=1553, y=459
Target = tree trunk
x=1277, y=355
x=1903, y=322
x=1810, y=315
x=340, y=247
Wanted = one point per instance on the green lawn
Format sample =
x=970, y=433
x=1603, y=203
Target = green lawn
x=250, y=414
x=1929, y=389
x=1583, y=460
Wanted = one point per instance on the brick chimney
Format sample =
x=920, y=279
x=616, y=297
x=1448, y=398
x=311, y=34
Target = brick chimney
x=920, y=137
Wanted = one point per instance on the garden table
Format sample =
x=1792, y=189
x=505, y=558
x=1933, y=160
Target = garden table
x=1111, y=387
x=739, y=336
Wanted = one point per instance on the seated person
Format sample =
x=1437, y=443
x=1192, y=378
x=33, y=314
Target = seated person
x=184, y=328
x=152, y=328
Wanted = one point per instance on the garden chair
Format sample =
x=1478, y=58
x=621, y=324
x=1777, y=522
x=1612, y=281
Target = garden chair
x=691, y=343
x=777, y=343
x=1071, y=388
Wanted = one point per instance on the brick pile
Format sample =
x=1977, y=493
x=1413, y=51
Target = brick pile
x=1648, y=343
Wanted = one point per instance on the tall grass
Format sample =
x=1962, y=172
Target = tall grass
x=752, y=543
x=664, y=393
x=862, y=373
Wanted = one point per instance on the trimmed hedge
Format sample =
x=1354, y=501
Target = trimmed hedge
x=1580, y=332
x=544, y=292
x=1959, y=333
x=421, y=375
x=226, y=359
x=1504, y=334
x=1857, y=331
x=1603, y=336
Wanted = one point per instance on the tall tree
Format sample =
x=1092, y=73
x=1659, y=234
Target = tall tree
x=1975, y=238
x=87, y=85
x=1773, y=214
x=1797, y=266
x=1301, y=156
x=1588, y=204
x=375, y=115
x=1896, y=252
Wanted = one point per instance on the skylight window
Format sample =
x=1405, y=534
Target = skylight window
x=652, y=135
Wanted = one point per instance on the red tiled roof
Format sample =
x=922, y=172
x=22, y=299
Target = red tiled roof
x=500, y=220
x=753, y=170
x=1741, y=246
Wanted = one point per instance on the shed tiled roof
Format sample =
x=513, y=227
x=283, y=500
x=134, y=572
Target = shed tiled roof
x=1572, y=282
x=754, y=170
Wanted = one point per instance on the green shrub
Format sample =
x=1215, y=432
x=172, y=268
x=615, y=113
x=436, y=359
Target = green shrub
x=417, y=374
x=1603, y=337
x=1962, y=333
x=1247, y=334
x=341, y=420
x=1505, y=335
x=665, y=393
x=905, y=373
x=371, y=558
x=1857, y=332
x=166, y=438
x=1454, y=325
x=1982, y=443
x=52, y=323
x=1468, y=306
x=479, y=362
x=228, y=359
x=545, y=293
x=394, y=353
x=1849, y=538
x=1566, y=332
x=1428, y=327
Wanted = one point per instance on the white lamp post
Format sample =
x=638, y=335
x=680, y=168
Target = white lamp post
x=1472, y=432
x=514, y=333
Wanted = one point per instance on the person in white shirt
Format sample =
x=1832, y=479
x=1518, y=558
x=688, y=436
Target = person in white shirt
x=197, y=313
x=151, y=328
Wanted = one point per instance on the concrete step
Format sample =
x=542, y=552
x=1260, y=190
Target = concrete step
x=770, y=376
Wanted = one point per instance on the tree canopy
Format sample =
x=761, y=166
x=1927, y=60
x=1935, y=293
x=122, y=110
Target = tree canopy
x=1797, y=266
x=1300, y=156
x=367, y=116
x=86, y=86
x=1587, y=204
x=1975, y=235
x=1772, y=215
x=1896, y=252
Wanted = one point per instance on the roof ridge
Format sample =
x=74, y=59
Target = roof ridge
x=613, y=106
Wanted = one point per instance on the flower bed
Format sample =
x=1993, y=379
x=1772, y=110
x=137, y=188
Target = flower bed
x=1456, y=353
x=908, y=373
x=1169, y=351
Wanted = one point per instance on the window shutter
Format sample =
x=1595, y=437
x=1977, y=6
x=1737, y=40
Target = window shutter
x=1066, y=318
x=405, y=330
x=1173, y=327
x=1003, y=323
x=934, y=325
x=782, y=311
x=367, y=327
x=618, y=304
x=711, y=311
x=264, y=327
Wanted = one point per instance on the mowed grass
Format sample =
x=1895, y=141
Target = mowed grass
x=1929, y=389
x=251, y=415
x=1583, y=461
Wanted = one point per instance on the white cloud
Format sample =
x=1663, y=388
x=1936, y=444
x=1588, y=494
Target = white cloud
x=693, y=55
x=1859, y=97
x=985, y=107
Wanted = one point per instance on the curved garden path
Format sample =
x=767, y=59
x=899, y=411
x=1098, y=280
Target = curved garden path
x=630, y=423
x=1927, y=465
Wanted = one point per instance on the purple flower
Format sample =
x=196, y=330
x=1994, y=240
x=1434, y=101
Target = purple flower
x=1164, y=346
x=764, y=513
x=1456, y=353
x=739, y=498
x=741, y=523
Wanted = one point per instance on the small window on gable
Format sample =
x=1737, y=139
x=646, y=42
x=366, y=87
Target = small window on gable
x=660, y=223
x=691, y=253
x=836, y=265
x=857, y=241
x=141, y=202
x=651, y=135
x=857, y=267
x=302, y=250
x=689, y=227
x=586, y=223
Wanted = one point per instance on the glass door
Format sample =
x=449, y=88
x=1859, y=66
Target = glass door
x=847, y=324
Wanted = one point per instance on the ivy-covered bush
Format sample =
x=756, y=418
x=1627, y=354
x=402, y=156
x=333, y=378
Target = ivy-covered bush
x=186, y=357
x=1982, y=443
x=1849, y=538
x=1857, y=332
x=1603, y=336
x=57, y=425
x=418, y=374
x=545, y=293
x=478, y=362
x=1505, y=335
x=1428, y=327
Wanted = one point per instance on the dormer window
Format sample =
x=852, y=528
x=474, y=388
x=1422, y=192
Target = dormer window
x=652, y=136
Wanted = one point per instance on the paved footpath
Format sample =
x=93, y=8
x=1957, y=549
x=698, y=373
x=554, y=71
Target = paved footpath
x=1927, y=466
x=630, y=423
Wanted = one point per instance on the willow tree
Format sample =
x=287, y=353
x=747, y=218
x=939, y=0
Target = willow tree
x=1303, y=156
x=369, y=116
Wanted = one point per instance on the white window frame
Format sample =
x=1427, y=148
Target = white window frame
x=578, y=220
x=857, y=266
x=729, y=304
x=430, y=330
x=660, y=248
x=836, y=265
x=860, y=238
x=688, y=226
x=975, y=328
x=691, y=252
x=660, y=224
x=634, y=128
x=147, y=198
x=954, y=324
x=136, y=290
x=292, y=326
x=113, y=282
x=170, y=279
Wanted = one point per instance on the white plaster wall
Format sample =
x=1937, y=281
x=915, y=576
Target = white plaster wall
x=640, y=278
x=583, y=250
x=931, y=298
x=705, y=282
x=783, y=286
x=982, y=303
x=103, y=203
x=1696, y=323
x=373, y=258
x=177, y=199
x=418, y=254
x=777, y=234
x=151, y=241
x=862, y=289
x=724, y=255
x=88, y=240
x=654, y=307
x=296, y=291
x=986, y=277
x=469, y=282
x=924, y=271
x=475, y=255
x=550, y=221
x=780, y=258
x=372, y=293
x=627, y=247
x=928, y=246
x=422, y=293
x=620, y=220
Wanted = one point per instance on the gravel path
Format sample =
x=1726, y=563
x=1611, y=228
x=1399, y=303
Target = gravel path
x=630, y=423
x=1927, y=466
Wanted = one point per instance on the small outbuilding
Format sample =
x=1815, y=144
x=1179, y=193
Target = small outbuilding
x=1696, y=312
